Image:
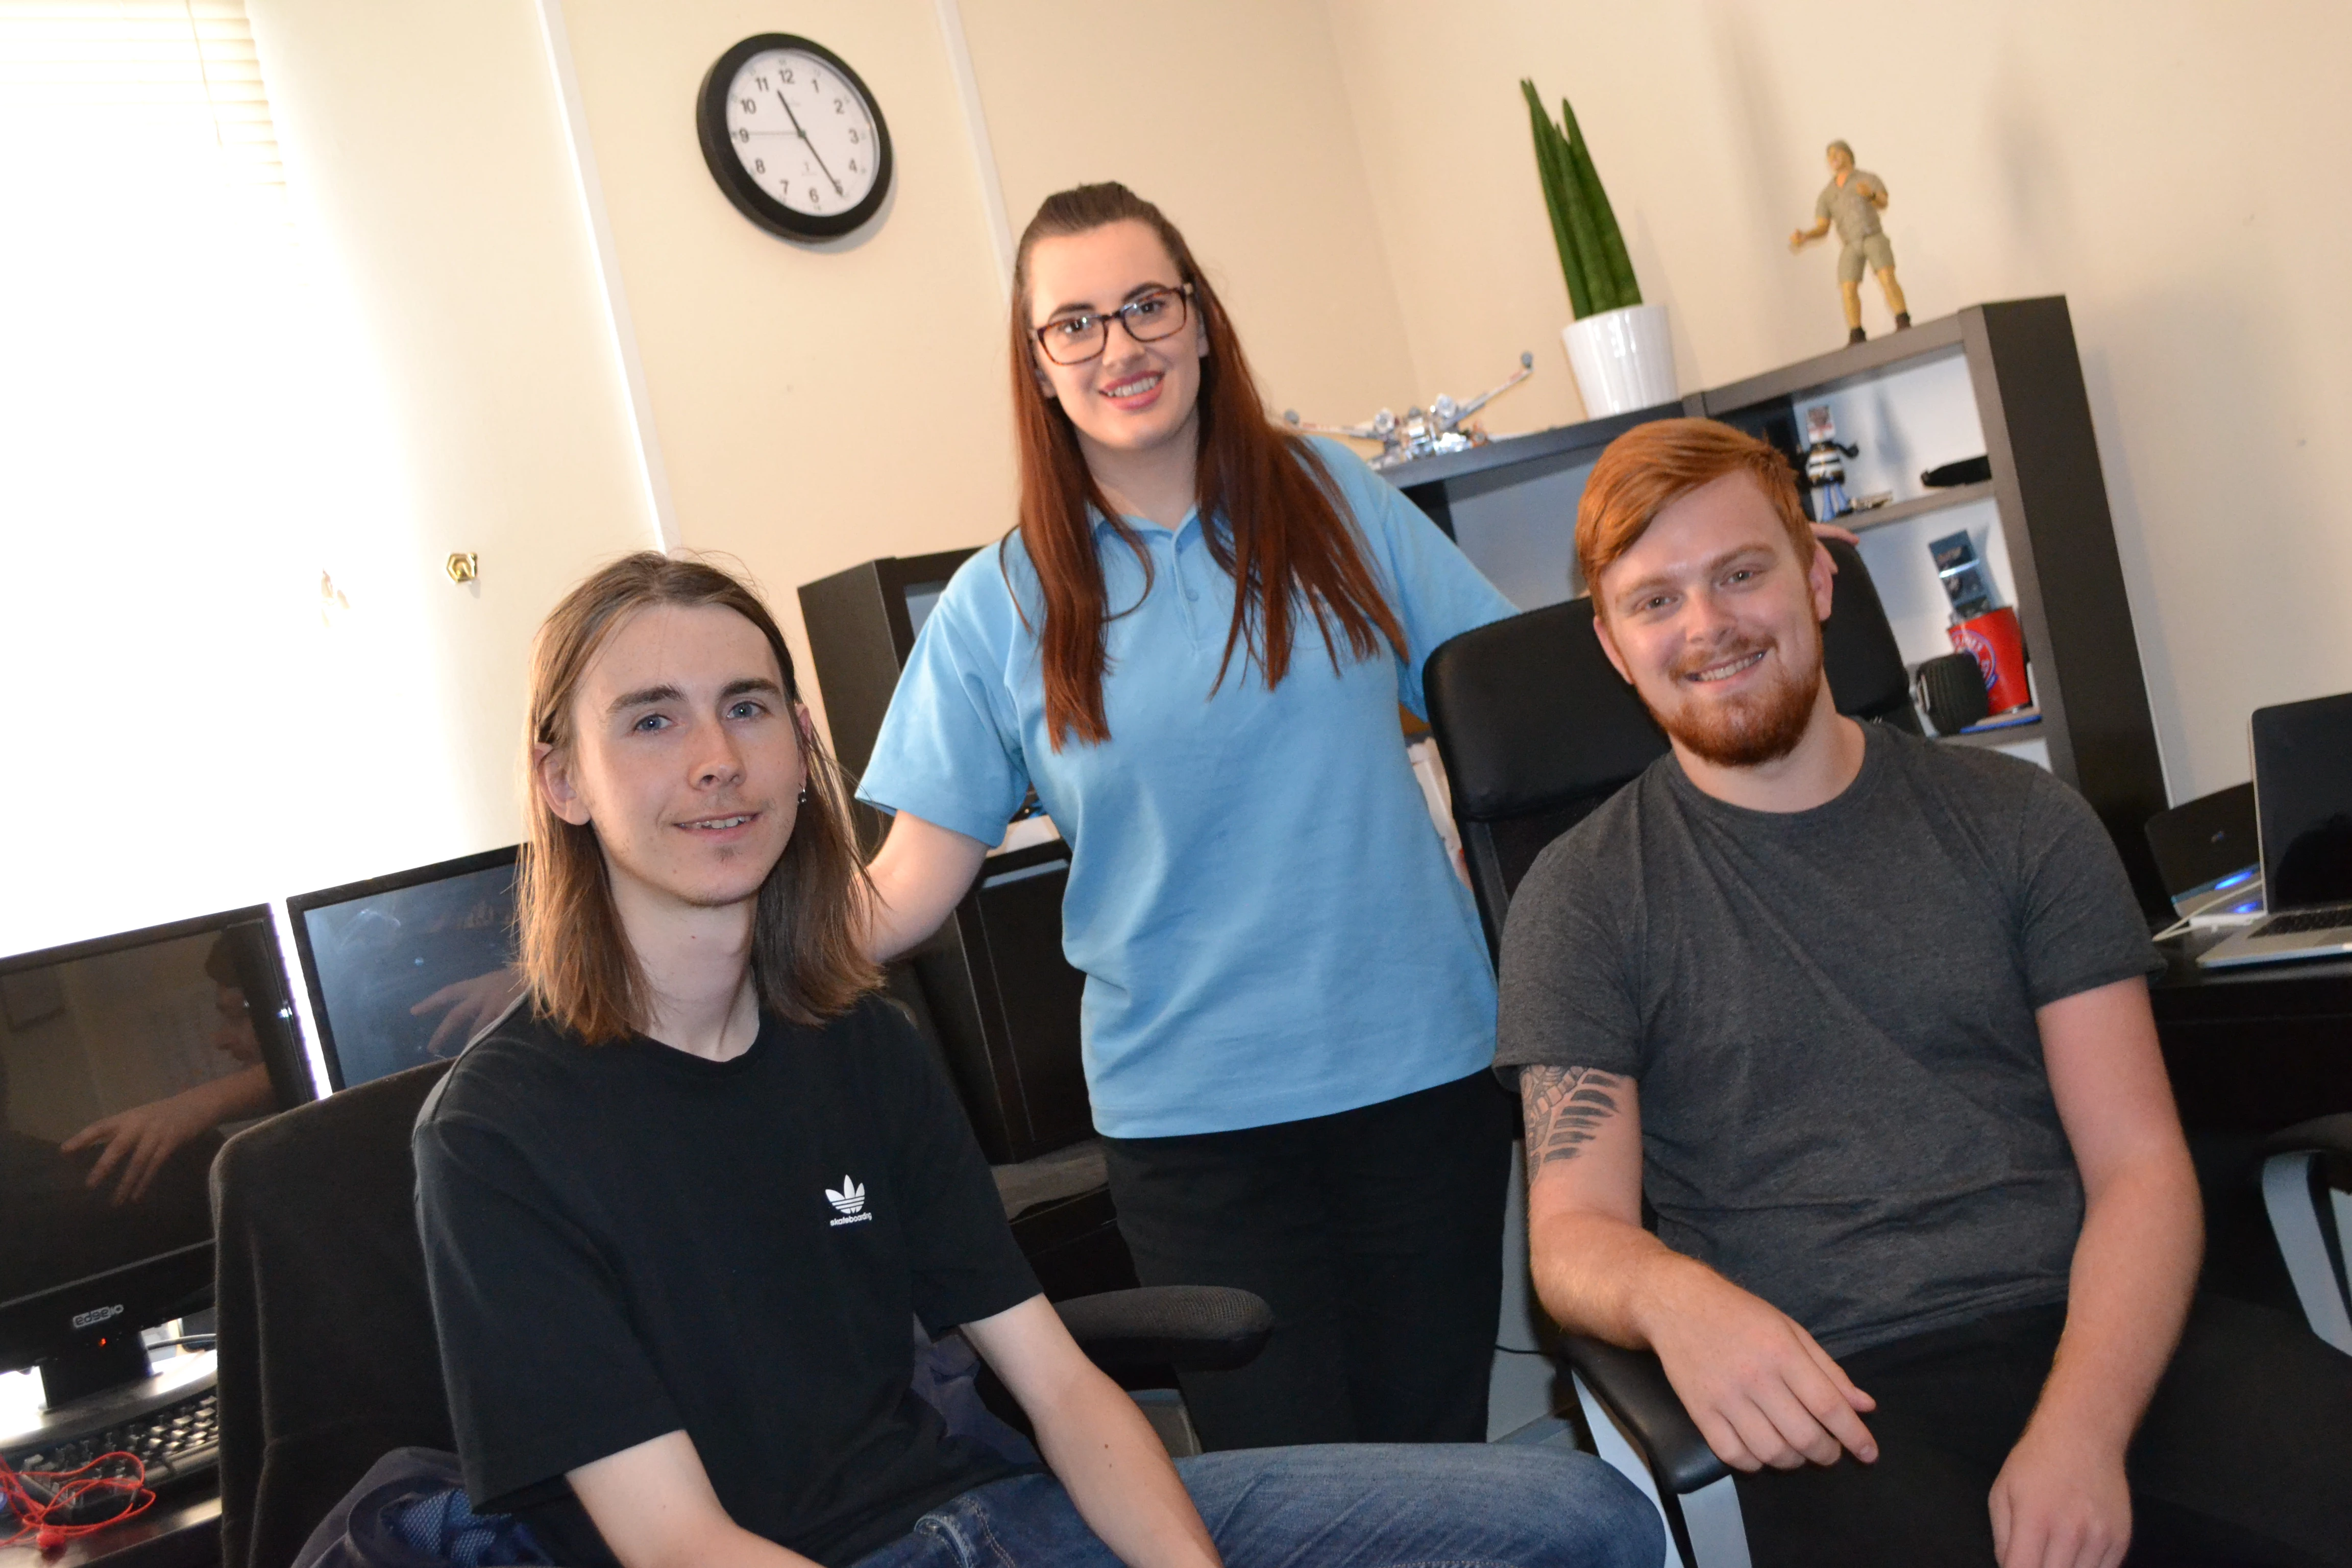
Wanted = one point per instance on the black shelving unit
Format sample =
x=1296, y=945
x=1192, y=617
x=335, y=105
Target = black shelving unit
x=2049, y=538
x=1000, y=1000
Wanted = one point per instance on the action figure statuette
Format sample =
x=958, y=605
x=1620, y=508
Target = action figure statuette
x=1824, y=464
x=1852, y=200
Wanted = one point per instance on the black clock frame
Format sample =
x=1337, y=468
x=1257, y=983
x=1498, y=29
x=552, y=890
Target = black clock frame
x=741, y=188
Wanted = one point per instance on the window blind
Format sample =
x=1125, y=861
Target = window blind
x=134, y=91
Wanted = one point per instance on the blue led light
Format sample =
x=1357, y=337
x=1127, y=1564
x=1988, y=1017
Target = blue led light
x=2226, y=883
x=2251, y=907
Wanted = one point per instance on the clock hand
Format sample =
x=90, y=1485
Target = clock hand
x=806, y=142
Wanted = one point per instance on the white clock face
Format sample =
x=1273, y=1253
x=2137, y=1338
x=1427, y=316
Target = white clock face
x=802, y=132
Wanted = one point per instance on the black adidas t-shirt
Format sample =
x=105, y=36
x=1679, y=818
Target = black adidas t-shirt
x=626, y=1240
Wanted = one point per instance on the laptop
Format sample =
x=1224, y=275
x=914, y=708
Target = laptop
x=2302, y=820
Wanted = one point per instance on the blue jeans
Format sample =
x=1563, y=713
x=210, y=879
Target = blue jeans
x=1453, y=1505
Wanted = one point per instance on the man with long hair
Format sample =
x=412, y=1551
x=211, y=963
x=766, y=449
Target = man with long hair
x=1865, y=1019
x=681, y=1208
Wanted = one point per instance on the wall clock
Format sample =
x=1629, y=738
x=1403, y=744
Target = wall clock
x=794, y=138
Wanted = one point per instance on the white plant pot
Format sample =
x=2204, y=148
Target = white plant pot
x=1623, y=360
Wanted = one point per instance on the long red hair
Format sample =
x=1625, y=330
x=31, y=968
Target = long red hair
x=1286, y=541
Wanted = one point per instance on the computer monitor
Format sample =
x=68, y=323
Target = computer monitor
x=388, y=961
x=2302, y=800
x=124, y=1063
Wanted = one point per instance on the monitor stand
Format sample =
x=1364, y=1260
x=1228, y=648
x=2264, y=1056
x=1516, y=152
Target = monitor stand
x=93, y=1364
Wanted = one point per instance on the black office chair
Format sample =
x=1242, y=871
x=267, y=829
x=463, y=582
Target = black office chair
x=328, y=1357
x=1537, y=728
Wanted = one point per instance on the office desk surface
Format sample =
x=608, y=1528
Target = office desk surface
x=182, y=1530
x=2256, y=1048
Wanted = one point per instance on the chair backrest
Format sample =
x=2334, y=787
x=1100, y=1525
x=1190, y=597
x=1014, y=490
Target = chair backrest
x=328, y=1356
x=1536, y=728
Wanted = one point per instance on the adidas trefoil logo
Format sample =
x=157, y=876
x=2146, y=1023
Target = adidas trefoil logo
x=850, y=1200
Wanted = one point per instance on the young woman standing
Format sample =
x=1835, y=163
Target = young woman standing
x=1194, y=647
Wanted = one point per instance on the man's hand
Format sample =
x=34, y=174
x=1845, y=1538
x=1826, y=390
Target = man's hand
x=139, y=1140
x=471, y=1003
x=1761, y=1392
x=1094, y=1440
x=2059, y=1503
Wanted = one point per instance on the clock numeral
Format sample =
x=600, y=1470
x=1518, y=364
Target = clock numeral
x=751, y=105
x=743, y=136
x=852, y=133
x=853, y=166
x=837, y=108
x=760, y=82
x=787, y=75
x=759, y=165
x=815, y=199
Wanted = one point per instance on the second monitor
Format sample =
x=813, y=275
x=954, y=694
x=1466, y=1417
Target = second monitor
x=397, y=966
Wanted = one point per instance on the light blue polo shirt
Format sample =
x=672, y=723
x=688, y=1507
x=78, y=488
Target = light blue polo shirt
x=1266, y=919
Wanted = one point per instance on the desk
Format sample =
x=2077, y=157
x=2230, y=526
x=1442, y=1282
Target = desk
x=182, y=1530
x=2252, y=1050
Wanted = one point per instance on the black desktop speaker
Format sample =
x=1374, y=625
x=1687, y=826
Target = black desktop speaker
x=1951, y=691
x=2204, y=840
x=1002, y=1000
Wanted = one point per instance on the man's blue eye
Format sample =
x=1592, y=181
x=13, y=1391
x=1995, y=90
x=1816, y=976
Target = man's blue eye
x=744, y=710
x=651, y=721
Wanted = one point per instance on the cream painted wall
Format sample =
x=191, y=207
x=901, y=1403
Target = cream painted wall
x=815, y=407
x=1361, y=181
x=1238, y=127
x=425, y=145
x=2175, y=169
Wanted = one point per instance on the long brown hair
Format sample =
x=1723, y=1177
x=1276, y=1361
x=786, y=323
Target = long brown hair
x=583, y=975
x=1290, y=543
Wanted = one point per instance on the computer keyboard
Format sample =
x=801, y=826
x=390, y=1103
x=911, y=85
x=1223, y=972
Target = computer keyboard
x=180, y=1440
x=2301, y=921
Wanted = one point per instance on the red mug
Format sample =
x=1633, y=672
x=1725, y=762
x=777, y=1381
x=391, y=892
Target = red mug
x=1999, y=647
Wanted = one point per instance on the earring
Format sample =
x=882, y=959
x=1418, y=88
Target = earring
x=804, y=793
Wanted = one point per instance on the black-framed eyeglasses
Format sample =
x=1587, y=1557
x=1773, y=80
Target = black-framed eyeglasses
x=1147, y=318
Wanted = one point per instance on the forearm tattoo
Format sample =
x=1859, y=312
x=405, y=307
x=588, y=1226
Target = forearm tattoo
x=1566, y=1108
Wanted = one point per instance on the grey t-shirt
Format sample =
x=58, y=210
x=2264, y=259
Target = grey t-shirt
x=1830, y=1018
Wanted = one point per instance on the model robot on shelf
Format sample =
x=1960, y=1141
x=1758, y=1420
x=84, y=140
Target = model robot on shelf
x=1852, y=201
x=1443, y=428
x=1825, y=463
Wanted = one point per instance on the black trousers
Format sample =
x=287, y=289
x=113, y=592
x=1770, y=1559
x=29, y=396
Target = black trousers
x=2245, y=1455
x=1376, y=1234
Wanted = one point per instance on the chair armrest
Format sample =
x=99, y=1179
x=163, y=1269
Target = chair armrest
x=2329, y=1135
x=1192, y=1328
x=1634, y=1387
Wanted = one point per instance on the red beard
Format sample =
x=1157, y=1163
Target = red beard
x=1758, y=727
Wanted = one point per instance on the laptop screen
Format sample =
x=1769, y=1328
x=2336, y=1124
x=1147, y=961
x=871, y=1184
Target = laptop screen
x=2302, y=788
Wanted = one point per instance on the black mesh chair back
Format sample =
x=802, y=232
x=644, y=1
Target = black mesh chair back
x=1537, y=728
x=328, y=1356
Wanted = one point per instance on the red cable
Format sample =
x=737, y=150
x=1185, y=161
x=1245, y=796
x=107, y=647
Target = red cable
x=66, y=1489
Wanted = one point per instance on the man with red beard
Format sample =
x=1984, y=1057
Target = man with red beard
x=1866, y=1020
